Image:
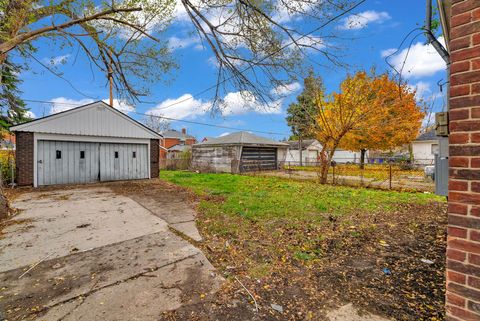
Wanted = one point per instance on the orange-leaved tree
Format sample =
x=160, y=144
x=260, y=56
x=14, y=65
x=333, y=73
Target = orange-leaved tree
x=340, y=113
x=395, y=118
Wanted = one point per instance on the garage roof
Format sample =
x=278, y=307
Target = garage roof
x=241, y=138
x=95, y=119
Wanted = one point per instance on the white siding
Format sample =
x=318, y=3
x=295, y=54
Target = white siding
x=422, y=152
x=97, y=119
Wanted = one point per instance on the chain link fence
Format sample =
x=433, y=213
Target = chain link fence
x=385, y=174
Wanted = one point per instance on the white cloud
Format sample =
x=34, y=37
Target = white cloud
x=224, y=134
x=121, y=105
x=363, y=19
x=184, y=106
x=308, y=42
x=56, y=60
x=422, y=89
x=234, y=103
x=242, y=102
x=422, y=60
x=387, y=52
x=286, y=89
x=60, y=104
x=31, y=114
x=182, y=43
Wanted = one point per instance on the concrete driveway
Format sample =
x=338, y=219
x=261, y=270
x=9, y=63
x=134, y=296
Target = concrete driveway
x=90, y=253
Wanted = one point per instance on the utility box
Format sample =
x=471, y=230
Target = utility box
x=441, y=167
x=441, y=124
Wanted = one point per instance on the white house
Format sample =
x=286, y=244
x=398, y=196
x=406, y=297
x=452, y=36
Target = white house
x=311, y=149
x=425, y=147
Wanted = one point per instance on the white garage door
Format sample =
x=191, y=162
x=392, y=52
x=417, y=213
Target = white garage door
x=60, y=162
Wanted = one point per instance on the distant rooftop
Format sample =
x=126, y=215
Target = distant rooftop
x=429, y=135
x=179, y=148
x=293, y=144
x=172, y=133
x=241, y=138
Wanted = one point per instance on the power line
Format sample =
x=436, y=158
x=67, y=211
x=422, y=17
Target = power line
x=288, y=44
x=171, y=119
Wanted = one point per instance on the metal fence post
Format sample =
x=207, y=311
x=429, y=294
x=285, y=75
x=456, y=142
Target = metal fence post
x=390, y=174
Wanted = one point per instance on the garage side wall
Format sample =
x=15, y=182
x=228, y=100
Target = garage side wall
x=24, y=158
x=154, y=158
x=217, y=159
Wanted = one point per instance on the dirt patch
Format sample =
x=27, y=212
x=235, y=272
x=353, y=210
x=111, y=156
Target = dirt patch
x=389, y=263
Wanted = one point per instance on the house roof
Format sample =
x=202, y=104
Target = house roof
x=172, y=133
x=293, y=144
x=179, y=148
x=428, y=135
x=95, y=119
x=242, y=138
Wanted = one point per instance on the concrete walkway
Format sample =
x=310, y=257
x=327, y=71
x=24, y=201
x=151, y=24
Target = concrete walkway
x=95, y=254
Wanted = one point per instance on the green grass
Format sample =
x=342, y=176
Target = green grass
x=263, y=198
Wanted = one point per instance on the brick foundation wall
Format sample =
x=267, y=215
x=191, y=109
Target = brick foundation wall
x=154, y=155
x=24, y=158
x=463, y=244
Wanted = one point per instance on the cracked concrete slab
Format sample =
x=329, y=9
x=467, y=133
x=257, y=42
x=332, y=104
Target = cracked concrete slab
x=128, y=266
x=179, y=215
x=66, y=221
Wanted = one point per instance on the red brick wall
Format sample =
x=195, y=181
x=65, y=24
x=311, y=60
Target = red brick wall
x=24, y=158
x=463, y=244
x=154, y=155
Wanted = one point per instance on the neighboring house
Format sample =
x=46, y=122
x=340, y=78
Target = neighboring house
x=238, y=152
x=173, y=138
x=347, y=156
x=311, y=150
x=87, y=144
x=8, y=142
x=425, y=147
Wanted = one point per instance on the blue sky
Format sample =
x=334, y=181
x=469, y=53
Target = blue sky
x=372, y=31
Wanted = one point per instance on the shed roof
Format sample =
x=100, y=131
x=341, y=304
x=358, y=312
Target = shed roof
x=179, y=148
x=428, y=135
x=242, y=138
x=95, y=119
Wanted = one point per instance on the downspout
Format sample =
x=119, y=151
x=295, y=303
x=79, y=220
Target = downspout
x=437, y=45
x=431, y=38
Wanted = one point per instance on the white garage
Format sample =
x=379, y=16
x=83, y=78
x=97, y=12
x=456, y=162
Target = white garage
x=87, y=144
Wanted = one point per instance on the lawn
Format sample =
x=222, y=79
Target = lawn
x=307, y=246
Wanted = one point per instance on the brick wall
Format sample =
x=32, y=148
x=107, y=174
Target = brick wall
x=154, y=155
x=24, y=158
x=463, y=244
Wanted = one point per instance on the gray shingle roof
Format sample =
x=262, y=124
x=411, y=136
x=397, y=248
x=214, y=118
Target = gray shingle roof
x=180, y=148
x=242, y=138
x=429, y=135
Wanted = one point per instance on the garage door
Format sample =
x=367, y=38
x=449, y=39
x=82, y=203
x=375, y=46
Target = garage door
x=258, y=158
x=61, y=162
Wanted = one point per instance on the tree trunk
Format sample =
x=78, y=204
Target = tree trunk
x=363, y=151
x=410, y=152
x=326, y=161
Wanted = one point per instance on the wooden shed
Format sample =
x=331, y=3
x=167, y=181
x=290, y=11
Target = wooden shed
x=238, y=152
x=87, y=144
